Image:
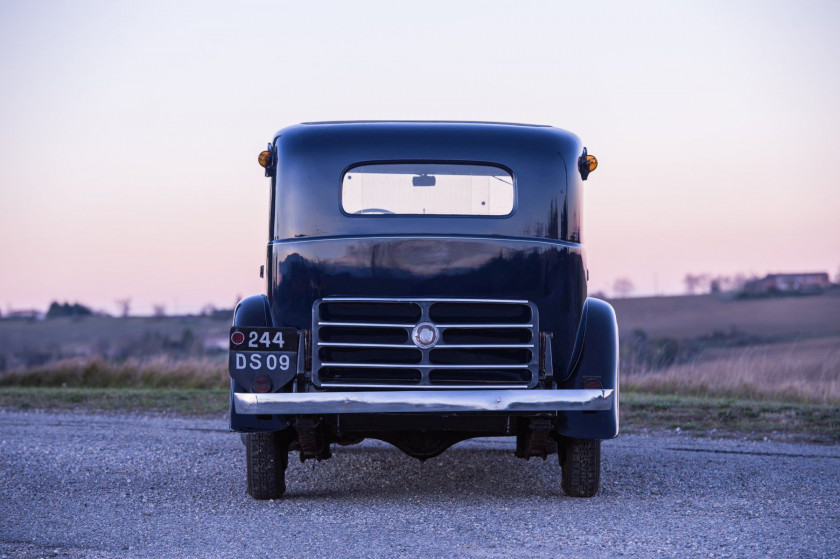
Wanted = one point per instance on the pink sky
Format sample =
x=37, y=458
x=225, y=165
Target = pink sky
x=129, y=131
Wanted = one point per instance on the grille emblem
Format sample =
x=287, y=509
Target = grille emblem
x=425, y=335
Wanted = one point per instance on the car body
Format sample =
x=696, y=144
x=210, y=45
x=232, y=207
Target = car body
x=441, y=296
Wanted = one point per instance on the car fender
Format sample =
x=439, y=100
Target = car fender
x=598, y=361
x=253, y=311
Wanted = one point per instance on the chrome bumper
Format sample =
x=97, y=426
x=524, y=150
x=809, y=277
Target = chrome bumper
x=424, y=401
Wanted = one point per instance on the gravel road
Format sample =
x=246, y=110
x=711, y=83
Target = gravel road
x=79, y=485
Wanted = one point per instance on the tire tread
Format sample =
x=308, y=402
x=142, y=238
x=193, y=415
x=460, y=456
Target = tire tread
x=580, y=460
x=266, y=456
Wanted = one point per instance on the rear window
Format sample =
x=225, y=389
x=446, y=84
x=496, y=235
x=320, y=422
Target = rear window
x=427, y=189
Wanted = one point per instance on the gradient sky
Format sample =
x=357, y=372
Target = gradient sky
x=129, y=130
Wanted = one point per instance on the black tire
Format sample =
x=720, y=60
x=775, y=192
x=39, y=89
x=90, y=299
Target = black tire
x=266, y=457
x=580, y=460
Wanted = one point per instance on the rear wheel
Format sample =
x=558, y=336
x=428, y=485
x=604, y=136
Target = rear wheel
x=266, y=457
x=580, y=460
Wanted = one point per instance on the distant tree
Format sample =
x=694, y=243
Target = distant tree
x=159, y=310
x=66, y=309
x=715, y=284
x=208, y=310
x=623, y=287
x=738, y=282
x=694, y=281
x=124, y=306
x=719, y=284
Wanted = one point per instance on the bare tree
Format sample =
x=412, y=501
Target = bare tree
x=159, y=310
x=694, y=281
x=124, y=305
x=718, y=284
x=623, y=287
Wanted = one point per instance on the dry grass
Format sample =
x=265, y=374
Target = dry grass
x=783, y=348
x=801, y=371
x=96, y=372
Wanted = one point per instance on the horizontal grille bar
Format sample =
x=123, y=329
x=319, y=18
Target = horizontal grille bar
x=421, y=300
x=439, y=346
x=415, y=386
x=365, y=324
x=418, y=366
x=391, y=325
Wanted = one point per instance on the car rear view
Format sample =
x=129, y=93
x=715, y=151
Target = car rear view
x=426, y=284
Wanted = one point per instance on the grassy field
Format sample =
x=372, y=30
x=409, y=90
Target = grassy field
x=738, y=417
x=784, y=348
x=687, y=317
x=30, y=344
x=703, y=364
x=175, y=401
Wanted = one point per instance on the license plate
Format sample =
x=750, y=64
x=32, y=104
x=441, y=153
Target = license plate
x=263, y=339
x=262, y=350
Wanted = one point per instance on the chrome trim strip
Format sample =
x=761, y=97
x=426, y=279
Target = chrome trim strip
x=419, y=300
x=386, y=325
x=357, y=344
x=424, y=387
x=414, y=401
x=438, y=346
x=420, y=366
x=365, y=324
x=512, y=325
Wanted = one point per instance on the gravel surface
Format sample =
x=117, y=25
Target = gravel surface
x=79, y=485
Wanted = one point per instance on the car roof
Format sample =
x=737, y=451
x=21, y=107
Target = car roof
x=368, y=126
x=312, y=158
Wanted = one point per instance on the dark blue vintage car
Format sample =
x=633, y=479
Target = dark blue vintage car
x=426, y=283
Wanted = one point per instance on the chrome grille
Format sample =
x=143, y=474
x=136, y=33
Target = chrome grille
x=368, y=343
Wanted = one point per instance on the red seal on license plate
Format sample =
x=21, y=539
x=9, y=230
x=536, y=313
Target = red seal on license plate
x=237, y=337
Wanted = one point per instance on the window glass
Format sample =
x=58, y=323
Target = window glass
x=427, y=189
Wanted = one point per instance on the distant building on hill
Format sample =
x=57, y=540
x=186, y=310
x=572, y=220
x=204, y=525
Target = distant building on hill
x=788, y=283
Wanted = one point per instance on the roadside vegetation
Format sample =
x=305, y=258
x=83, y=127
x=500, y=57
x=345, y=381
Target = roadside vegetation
x=174, y=401
x=803, y=370
x=699, y=364
x=729, y=417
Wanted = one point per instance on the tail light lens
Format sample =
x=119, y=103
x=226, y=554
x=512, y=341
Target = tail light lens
x=262, y=384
